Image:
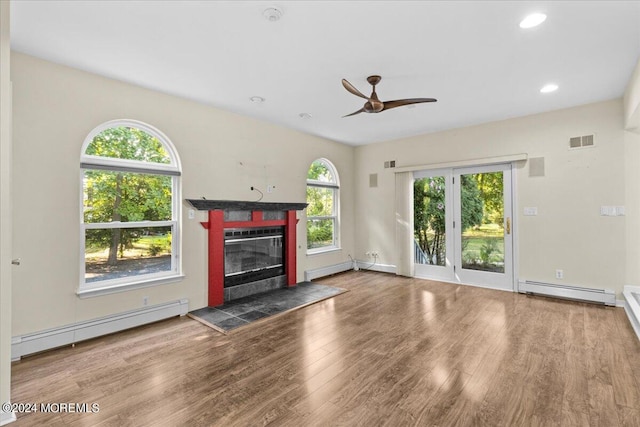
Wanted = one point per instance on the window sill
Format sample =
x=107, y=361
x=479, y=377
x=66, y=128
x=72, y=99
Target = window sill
x=321, y=251
x=116, y=288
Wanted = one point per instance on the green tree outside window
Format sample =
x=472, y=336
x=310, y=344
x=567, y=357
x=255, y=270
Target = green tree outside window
x=121, y=185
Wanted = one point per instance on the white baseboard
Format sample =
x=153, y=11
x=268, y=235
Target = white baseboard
x=346, y=266
x=603, y=296
x=7, y=417
x=65, y=335
x=383, y=268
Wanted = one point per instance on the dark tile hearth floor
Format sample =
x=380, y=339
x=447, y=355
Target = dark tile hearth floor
x=243, y=311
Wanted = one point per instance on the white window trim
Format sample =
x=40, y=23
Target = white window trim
x=171, y=149
x=314, y=183
x=335, y=186
x=132, y=224
x=111, y=288
x=95, y=162
x=90, y=162
x=323, y=249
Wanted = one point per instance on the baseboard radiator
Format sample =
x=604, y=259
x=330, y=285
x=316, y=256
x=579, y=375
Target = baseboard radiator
x=69, y=334
x=327, y=271
x=598, y=296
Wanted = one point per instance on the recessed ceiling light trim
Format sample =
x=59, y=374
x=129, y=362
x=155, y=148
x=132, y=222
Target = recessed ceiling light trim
x=257, y=99
x=272, y=14
x=533, y=20
x=305, y=115
x=548, y=88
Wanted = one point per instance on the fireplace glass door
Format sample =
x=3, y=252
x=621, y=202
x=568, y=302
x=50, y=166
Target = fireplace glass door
x=252, y=254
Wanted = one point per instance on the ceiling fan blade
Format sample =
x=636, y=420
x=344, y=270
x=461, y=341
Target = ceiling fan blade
x=401, y=102
x=351, y=88
x=354, y=113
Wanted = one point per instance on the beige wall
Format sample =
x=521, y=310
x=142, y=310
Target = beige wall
x=222, y=155
x=568, y=232
x=5, y=209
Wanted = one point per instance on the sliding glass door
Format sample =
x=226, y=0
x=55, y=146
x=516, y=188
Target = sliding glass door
x=463, y=225
x=433, y=236
x=483, y=226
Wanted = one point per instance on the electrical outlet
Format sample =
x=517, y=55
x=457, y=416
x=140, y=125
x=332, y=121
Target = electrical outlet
x=374, y=254
x=145, y=301
x=559, y=274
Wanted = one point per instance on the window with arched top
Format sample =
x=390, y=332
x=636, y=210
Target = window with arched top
x=323, y=207
x=130, y=234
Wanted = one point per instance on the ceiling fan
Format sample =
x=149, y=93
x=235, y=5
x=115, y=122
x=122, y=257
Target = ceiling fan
x=373, y=104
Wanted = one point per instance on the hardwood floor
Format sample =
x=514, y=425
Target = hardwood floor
x=391, y=352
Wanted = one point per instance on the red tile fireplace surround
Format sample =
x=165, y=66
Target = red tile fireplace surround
x=228, y=216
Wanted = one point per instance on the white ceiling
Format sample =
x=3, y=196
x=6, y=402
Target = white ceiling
x=472, y=56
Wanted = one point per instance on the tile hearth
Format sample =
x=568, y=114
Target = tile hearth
x=243, y=311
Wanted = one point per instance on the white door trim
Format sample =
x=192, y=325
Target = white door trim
x=446, y=274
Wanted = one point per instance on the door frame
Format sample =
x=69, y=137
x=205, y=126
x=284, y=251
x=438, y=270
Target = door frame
x=427, y=272
x=443, y=273
x=487, y=279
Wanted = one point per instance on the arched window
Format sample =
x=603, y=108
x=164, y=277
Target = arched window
x=323, y=209
x=130, y=234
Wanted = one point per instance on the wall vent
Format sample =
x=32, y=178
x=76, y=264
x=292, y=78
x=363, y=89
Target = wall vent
x=581, y=141
x=373, y=180
x=536, y=166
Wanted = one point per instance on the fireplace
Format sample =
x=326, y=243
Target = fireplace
x=251, y=247
x=252, y=254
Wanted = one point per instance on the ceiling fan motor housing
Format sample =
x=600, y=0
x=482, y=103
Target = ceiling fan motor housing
x=373, y=104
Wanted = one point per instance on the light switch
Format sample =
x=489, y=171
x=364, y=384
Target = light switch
x=611, y=210
x=531, y=211
x=192, y=214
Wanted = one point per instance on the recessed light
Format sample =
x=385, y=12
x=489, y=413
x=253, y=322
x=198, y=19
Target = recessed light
x=549, y=88
x=257, y=99
x=305, y=115
x=272, y=14
x=533, y=20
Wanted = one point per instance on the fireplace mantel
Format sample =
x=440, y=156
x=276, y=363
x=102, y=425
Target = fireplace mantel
x=257, y=217
x=241, y=205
